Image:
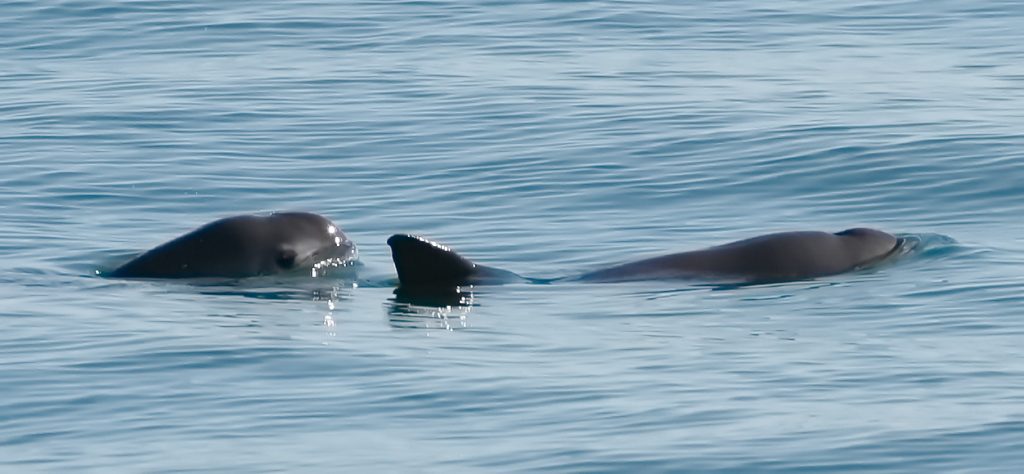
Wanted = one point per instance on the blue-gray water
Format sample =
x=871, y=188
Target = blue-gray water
x=546, y=137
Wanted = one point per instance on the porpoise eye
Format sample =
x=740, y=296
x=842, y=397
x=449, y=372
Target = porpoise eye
x=286, y=258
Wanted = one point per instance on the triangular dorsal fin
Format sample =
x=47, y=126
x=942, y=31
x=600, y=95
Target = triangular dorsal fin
x=422, y=262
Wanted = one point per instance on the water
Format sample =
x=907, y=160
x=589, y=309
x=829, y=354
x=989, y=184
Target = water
x=546, y=137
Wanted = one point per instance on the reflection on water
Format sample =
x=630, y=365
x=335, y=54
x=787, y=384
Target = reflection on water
x=553, y=138
x=431, y=308
x=335, y=267
x=330, y=294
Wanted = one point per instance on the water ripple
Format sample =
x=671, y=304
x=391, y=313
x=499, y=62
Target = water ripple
x=546, y=137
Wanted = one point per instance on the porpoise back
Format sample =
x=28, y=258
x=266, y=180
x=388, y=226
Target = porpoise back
x=773, y=257
x=768, y=258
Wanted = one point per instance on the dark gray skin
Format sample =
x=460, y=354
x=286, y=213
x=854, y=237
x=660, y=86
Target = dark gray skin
x=773, y=257
x=421, y=262
x=777, y=257
x=245, y=246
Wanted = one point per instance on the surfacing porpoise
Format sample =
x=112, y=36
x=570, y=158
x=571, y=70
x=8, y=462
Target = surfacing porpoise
x=778, y=257
x=245, y=246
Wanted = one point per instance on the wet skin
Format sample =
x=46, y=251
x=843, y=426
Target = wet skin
x=776, y=257
x=244, y=246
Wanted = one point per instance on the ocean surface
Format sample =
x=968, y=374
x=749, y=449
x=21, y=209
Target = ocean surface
x=546, y=137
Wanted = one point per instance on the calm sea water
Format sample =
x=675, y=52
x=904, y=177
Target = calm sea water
x=546, y=137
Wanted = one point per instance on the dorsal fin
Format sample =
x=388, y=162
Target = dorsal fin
x=422, y=262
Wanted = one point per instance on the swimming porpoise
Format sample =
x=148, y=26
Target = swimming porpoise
x=245, y=246
x=778, y=257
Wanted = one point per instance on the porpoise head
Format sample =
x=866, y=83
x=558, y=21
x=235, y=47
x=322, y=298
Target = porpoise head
x=246, y=246
x=305, y=240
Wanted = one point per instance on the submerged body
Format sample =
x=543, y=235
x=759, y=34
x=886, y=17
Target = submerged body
x=245, y=246
x=774, y=257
